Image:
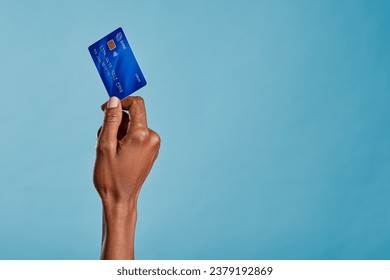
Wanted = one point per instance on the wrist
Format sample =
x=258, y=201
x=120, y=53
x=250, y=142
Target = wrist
x=119, y=210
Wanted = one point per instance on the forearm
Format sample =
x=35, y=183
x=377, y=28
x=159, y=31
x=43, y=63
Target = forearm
x=118, y=231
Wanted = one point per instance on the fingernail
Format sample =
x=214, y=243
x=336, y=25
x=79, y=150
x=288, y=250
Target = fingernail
x=113, y=102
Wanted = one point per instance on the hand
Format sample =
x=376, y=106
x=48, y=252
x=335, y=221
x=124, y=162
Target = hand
x=125, y=153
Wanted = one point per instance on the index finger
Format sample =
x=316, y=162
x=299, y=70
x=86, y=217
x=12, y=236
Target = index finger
x=136, y=107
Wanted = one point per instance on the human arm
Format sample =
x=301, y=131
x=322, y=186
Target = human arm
x=125, y=153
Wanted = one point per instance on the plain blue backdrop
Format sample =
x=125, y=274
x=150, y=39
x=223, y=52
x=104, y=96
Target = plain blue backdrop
x=274, y=118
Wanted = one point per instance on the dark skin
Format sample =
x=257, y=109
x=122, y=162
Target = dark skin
x=125, y=152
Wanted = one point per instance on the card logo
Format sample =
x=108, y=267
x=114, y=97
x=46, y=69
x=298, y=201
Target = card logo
x=119, y=36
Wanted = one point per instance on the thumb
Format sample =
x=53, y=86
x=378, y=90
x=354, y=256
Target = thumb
x=112, y=121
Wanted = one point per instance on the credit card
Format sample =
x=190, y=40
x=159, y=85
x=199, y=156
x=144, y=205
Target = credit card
x=116, y=64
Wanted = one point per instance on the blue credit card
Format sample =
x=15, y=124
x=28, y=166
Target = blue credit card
x=116, y=64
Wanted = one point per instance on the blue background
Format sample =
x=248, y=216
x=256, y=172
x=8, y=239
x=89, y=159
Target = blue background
x=274, y=118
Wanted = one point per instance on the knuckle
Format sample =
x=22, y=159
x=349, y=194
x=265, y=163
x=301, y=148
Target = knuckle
x=138, y=100
x=104, y=146
x=155, y=139
x=140, y=134
x=111, y=117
